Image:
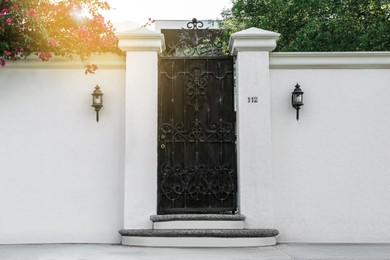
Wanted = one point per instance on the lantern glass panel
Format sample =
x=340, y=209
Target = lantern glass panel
x=97, y=99
x=298, y=98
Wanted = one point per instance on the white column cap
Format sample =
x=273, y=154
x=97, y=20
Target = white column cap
x=253, y=39
x=141, y=39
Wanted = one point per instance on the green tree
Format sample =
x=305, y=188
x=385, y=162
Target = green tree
x=316, y=25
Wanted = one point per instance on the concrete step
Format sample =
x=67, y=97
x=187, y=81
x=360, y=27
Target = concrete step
x=199, y=237
x=198, y=221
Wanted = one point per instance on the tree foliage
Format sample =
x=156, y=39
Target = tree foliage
x=61, y=27
x=316, y=25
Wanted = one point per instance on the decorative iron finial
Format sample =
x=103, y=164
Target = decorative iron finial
x=195, y=41
x=194, y=24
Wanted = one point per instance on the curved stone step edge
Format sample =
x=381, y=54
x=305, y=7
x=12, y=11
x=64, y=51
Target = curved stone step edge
x=208, y=217
x=198, y=242
x=200, y=232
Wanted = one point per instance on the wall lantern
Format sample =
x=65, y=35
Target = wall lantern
x=297, y=99
x=97, y=101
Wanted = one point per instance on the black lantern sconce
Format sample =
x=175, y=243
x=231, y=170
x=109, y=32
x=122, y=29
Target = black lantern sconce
x=97, y=101
x=297, y=99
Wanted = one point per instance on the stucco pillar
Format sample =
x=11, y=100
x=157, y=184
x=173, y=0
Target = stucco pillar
x=142, y=47
x=252, y=47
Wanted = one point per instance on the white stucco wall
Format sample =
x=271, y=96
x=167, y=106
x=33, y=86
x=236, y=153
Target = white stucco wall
x=254, y=151
x=331, y=169
x=142, y=47
x=61, y=173
x=141, y=140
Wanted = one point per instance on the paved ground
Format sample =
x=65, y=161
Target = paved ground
x=118, y=252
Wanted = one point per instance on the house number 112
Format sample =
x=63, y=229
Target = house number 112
x=252, y=100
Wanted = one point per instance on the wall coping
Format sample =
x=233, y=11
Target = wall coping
x=330, y=60
x=253, y=39
x=278, y=60
x=104, y=61
x=141, y=39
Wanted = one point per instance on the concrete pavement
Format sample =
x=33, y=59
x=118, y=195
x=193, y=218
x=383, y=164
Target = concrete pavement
x=118, y=252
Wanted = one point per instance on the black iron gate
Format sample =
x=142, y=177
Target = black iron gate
x=197, y=140
x=196, y=125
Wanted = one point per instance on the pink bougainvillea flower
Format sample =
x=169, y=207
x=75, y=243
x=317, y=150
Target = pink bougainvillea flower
x=44, y=56
x=4, y=11
x=2, y=62
x=52, y=43
x=44, y=27
x=90, y=69
x=32, y=12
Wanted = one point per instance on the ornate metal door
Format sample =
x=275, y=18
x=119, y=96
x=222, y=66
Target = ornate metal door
x=197, y=139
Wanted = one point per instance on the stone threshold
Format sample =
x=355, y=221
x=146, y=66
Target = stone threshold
x=229, y=233
x=197, y=217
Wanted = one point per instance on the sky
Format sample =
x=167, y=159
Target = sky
x=139, y=11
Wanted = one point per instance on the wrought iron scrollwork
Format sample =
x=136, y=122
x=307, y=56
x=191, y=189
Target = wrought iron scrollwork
x=197, y=182
x=196, y=88
x=222, y=132
x=196, y=41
